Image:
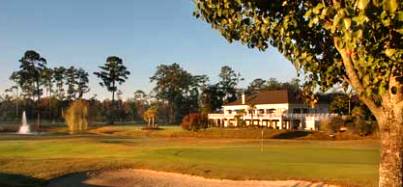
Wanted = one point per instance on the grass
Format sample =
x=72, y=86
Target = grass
x=32, y=161
x=242, y=133
x=280, y=160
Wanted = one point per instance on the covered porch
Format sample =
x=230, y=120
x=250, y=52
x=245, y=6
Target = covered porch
x=288, y=121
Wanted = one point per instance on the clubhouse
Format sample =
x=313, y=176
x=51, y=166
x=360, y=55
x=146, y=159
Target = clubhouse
x=277, y=109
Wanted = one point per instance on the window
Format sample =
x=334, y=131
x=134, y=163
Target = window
x=239, y=111
x=270, y=111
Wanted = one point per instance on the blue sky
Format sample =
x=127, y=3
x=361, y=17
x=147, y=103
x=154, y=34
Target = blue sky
x=82, y=33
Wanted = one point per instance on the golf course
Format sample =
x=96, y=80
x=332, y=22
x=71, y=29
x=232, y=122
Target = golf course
x=35, y=160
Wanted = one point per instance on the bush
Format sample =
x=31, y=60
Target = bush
x=194, y=121
x=333, y=124
x=363, y=127
x=356, y=124
x=324, y=125
x=77, y=116
x=361, y=123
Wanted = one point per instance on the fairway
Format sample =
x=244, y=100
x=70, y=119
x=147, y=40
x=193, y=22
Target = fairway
x=35, y=160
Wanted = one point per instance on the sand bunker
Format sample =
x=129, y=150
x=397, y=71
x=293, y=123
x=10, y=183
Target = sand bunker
x=149, y=178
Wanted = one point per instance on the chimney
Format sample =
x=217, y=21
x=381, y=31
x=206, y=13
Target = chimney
x=243, y=98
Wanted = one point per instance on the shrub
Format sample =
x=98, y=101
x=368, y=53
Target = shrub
x=77, y=116
x=149, y=117
x=358, y=112
x=324, y=125
x=363, y=127
x=194, y=121
x=359, y=122
x=333, y=124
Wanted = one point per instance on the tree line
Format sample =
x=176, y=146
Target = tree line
x=45, y=92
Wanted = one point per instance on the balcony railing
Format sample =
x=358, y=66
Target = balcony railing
x=221, y=116
x=273, y=116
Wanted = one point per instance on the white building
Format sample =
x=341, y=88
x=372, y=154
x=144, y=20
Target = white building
x=278, y=109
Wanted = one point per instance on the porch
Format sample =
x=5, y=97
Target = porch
x=289, y=121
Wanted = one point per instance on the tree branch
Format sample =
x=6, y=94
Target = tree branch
x=355, y=81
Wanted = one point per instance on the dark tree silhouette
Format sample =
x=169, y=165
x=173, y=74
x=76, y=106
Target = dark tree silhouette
x=30, y=76
x=58, y=80
x=229, y=81
x=112, y=74
x=180, y=88
x=82, y=82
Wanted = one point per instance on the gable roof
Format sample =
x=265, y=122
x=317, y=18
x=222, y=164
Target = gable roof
x=269, y=97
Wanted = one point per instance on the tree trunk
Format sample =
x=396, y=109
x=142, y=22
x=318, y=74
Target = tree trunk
x=80, y=94
x=38, y=122
x=390, y=128
x=113, y=107
x=50, y=114
x=170, y=112
x=17, y=108
x=17, y=101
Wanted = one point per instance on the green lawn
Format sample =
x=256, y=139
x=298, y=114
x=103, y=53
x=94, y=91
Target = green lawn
x=34, y=160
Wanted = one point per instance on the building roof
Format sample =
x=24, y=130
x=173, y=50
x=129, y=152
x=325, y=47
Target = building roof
x=270, y=97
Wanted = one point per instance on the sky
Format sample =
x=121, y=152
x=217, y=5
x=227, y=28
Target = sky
x=144, y=33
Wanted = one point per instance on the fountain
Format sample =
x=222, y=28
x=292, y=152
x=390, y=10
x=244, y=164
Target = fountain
x=24, y=129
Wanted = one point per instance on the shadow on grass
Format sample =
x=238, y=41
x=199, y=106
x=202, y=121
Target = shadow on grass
x=72, y=180
x=291, y=135
x=152, y=128
x=7, y=179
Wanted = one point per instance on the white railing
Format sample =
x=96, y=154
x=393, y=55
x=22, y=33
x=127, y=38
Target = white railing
x=310, y=115
x=273, y=116
x=221, y=116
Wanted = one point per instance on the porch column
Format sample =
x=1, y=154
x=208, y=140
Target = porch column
x=281, y=123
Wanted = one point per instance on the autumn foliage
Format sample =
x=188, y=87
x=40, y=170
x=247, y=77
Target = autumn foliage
x=77, y=116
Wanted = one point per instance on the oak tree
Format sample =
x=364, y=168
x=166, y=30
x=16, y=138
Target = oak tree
x=179, y=88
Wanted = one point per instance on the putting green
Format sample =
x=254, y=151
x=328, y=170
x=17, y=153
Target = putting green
x=34, y=160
